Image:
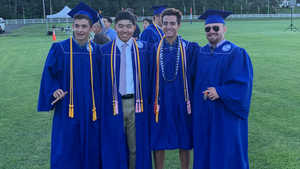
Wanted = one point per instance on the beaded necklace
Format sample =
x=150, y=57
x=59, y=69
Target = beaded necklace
x=162, y=61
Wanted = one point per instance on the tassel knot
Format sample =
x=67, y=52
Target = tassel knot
x=94, y=114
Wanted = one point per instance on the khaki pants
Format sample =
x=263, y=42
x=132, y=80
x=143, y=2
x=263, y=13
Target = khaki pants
x=128, y=106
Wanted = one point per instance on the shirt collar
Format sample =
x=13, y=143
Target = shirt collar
x=219, y=44
x=120, y=43
x=81, y=46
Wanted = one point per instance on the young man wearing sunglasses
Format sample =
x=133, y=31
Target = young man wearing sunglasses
x=223, y=78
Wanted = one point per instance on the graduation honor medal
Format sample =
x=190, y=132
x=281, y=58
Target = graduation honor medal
x=160, y=63
x=71, y=105
x=138, y=90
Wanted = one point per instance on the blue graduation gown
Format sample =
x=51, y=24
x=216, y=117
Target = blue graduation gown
x=114, y=148
x=174, y=127
x=220, y=127
x=151, y=35
x=75, y=141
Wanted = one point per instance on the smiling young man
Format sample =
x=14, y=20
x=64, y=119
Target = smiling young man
x=71, y=67
x=124, y=77
x=171, y=122
x=223, y=87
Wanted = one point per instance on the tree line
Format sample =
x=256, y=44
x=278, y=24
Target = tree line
x=33, y=9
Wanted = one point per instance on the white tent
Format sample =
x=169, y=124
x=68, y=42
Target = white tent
x=61, y=14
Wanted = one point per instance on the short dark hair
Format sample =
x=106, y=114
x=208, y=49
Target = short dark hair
x=108, y=19
x=124, y=15
x=82, y=16
x=172, y=11
x=148, y=20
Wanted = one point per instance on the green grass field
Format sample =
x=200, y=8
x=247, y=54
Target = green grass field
x=274, y=120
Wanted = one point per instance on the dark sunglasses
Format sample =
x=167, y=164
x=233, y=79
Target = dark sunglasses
x=215, y=28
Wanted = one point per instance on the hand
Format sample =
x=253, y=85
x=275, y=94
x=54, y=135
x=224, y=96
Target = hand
x=212, y=93
x=58, y=93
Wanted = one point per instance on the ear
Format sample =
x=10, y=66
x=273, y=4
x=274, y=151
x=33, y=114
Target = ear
x=179, y=25
x=92, y=28
x=225, y=28
x=115, y=27
x=73, y=26
x=134, y=27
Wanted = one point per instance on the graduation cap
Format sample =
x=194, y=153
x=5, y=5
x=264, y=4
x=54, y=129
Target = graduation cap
x=83, y=8
x=158, y=9
x=214, y=16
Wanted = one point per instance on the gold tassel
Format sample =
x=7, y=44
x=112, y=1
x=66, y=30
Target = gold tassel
x=94, y=114
x=156, y=116
x=71, y=111
x=142, y=107
x=114, y=108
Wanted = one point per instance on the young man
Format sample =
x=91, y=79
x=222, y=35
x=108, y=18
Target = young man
x=153, y=32
x=170, y=118
x=223, y=88
x=124, y=77
x=71, y=67
x=110, y=32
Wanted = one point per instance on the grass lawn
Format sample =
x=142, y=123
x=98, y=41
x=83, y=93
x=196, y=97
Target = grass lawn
x=274, y=127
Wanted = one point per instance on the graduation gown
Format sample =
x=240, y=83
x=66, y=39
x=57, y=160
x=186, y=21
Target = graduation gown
x=174, y=127
x=75, y=141
x=114, y=148
x=220, y=127
x=151, y=35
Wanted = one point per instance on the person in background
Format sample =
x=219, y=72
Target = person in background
x=222, y=95
x=146, y=22
x=124, y=83
x=100, y=36
x=112, y=34
x=137, y=31
x=171, y=115
x=71, y=66
x=153, y=33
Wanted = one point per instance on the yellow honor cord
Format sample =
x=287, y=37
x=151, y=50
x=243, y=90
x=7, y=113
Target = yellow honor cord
x=112, y=74
x=140, y=79
x=157, y=29
x=183, y=73
x=71, y=105
x=157, y=81
x=92, y=83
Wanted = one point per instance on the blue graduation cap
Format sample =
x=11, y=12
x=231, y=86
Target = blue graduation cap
x=158, y=9
x=83, y=8
x=214, y=16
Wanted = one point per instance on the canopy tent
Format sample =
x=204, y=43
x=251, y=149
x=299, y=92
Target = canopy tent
x=61, y=14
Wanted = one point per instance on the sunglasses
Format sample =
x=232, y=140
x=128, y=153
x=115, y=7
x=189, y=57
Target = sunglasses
x=215, y=28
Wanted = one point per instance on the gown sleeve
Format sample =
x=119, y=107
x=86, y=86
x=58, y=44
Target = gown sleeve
x=236, y=91
x=49, y=82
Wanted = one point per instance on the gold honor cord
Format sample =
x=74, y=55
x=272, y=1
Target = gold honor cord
x=156, y=105
x=157, y=30
x=140, y=79
x=112, y=75
x=71, y=105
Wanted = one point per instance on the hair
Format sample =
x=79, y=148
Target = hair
x=158, y=15
x=148, y=20
x=108, y=19
x=121, y=15
x=82, y=16
x=172, y=11
x=101, y=39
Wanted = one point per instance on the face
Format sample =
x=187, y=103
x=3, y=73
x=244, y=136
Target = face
x=170, y=26
x=145, y=24
x=124, y=29
x=106, y=23
x=82, y=30
x=214, y=37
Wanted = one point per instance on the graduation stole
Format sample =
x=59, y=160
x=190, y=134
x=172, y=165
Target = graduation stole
x=159, y=54
x=71, y=105
x=138, y=90
x=157, y=29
